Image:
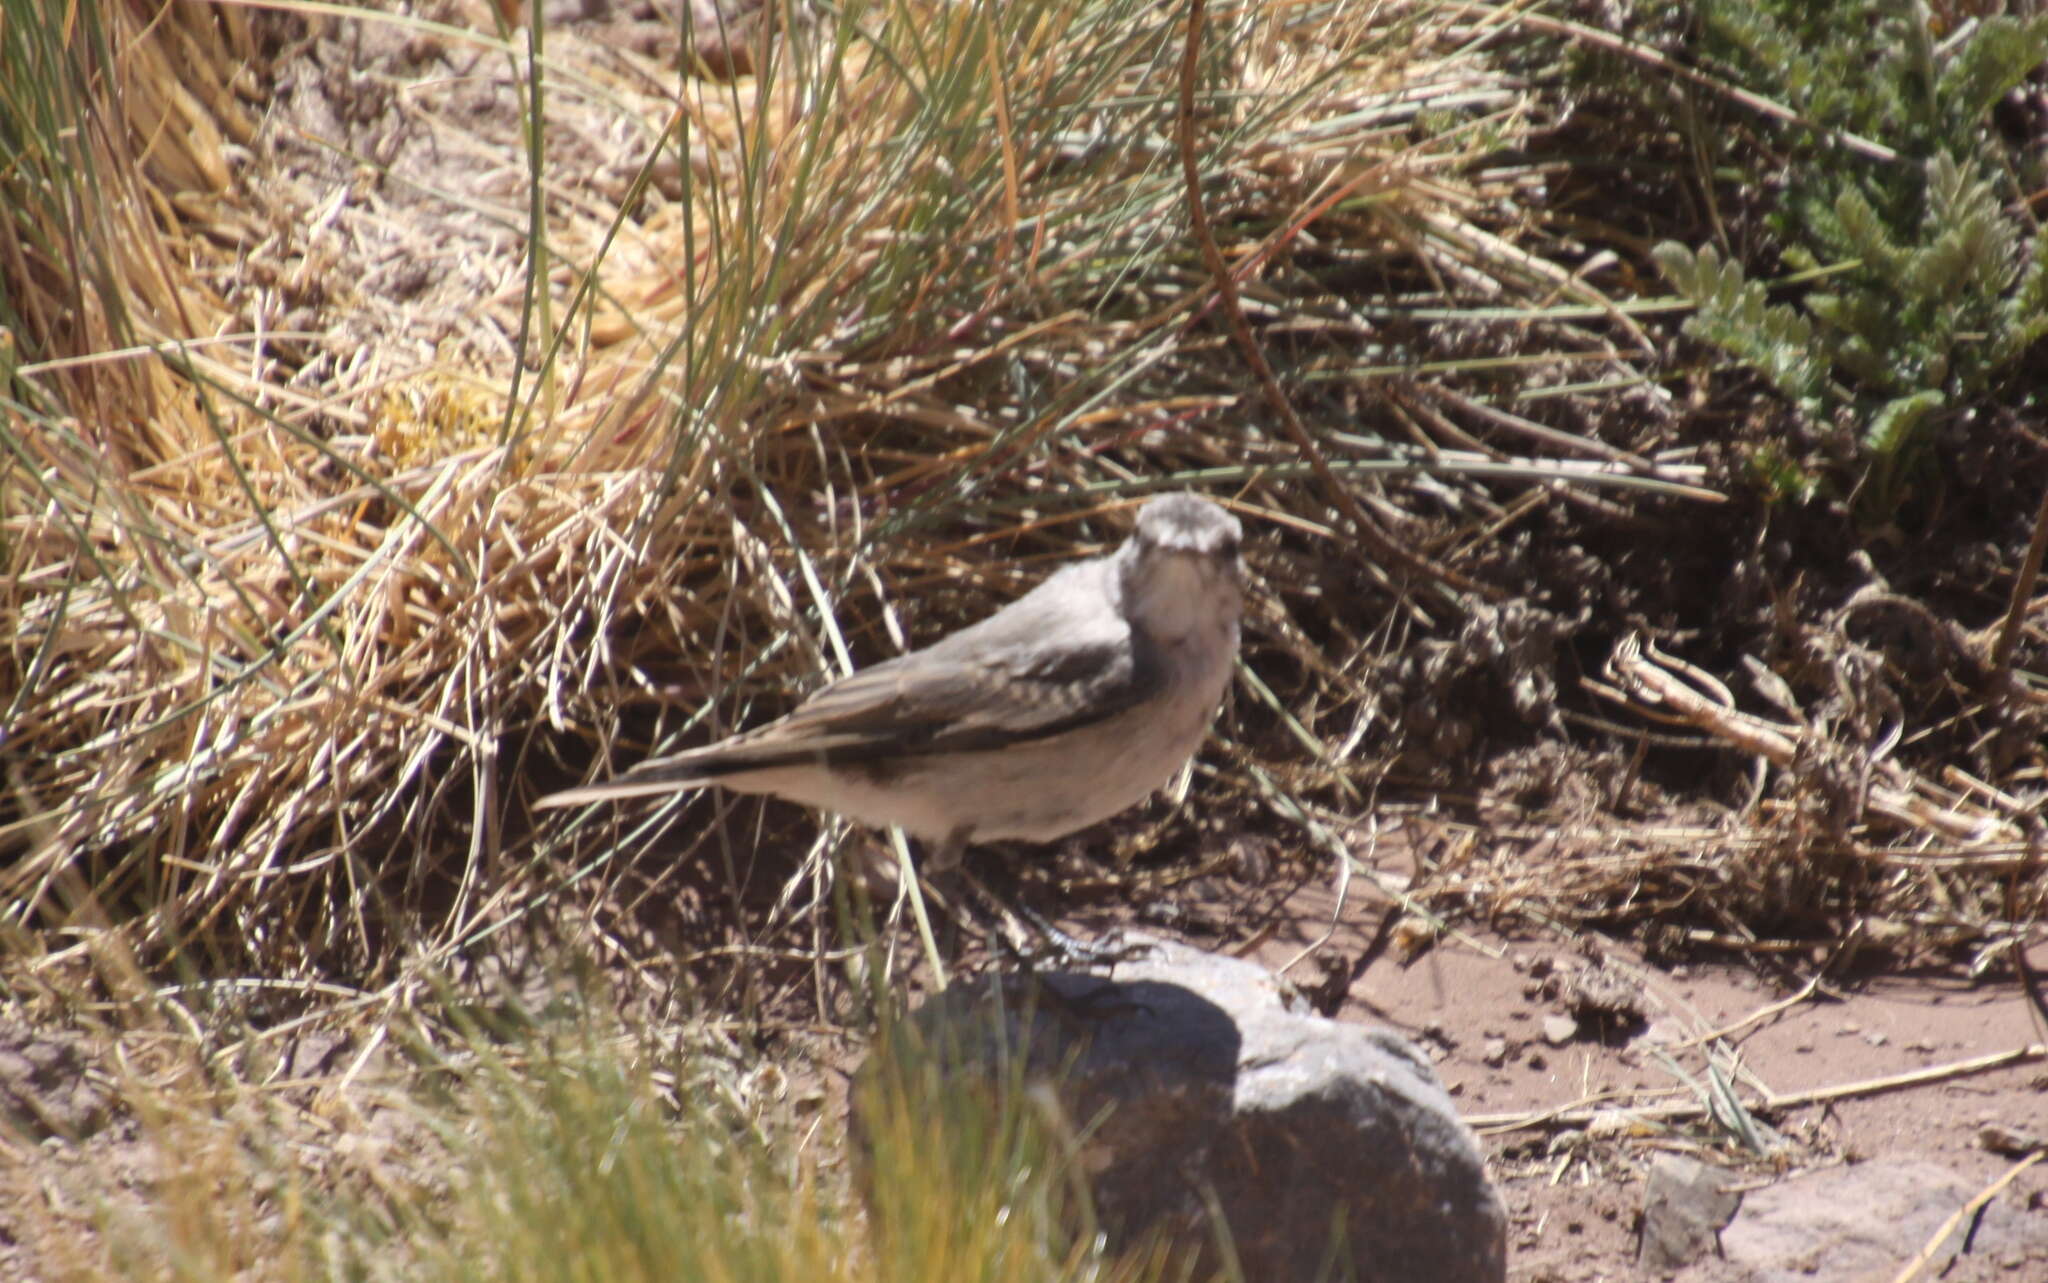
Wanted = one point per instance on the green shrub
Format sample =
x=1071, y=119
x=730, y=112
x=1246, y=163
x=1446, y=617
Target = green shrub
x=1933, y=286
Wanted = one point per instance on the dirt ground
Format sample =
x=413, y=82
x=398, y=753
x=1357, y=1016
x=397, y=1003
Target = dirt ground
x=1575, y=1060
x=1532, y=1033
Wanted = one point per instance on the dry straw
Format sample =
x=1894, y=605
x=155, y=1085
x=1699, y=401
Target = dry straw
x=350, y=456
x=405, y=416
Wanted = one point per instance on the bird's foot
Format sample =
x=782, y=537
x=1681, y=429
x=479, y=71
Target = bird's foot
x=1057, y=948
x=1026, y=936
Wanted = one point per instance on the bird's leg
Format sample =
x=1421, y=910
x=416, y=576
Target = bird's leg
x=1010, y=916
x=946, y=855
x=942, y=859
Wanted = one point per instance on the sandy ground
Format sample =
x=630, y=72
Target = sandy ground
x=1497, y=1015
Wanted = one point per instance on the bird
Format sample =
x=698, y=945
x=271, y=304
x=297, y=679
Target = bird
x=1065, y=707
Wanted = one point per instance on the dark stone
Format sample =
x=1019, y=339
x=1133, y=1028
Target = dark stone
x=1200, y=1081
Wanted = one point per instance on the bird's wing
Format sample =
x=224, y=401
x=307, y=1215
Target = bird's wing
x=929, y=702
x=1060, y=658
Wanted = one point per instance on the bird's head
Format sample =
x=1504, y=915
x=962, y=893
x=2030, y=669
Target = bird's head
x=1181, y=568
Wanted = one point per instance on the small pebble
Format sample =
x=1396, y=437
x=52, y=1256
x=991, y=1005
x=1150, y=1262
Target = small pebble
x=1660, y=1033
x=2009, y=1141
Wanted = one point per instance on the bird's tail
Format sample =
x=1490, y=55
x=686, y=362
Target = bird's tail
x=693, y=768
x=643, y=783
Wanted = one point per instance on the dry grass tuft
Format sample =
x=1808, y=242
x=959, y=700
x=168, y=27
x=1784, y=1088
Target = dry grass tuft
x=521, y=1142
x=329, y=487
x=407, y=416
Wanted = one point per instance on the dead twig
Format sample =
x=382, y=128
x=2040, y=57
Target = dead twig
x=1755, y=102
x=1377, y=541
x=2016, y=606
x=1671, y=690
x=1808, y=990
x=1962, y=1214
x=1576, y=1114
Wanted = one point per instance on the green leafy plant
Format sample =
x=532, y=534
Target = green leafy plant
x=1934, y=288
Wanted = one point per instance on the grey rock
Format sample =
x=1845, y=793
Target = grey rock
x=1865, y=1220
x=1331, y=1150
x=1685, y=1205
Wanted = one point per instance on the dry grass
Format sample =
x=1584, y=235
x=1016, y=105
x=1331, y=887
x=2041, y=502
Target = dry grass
x=283, y=613
x=518, y=1143
x=385, y=457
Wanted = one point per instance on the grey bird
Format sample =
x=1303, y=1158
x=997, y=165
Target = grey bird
x=1060, y=710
